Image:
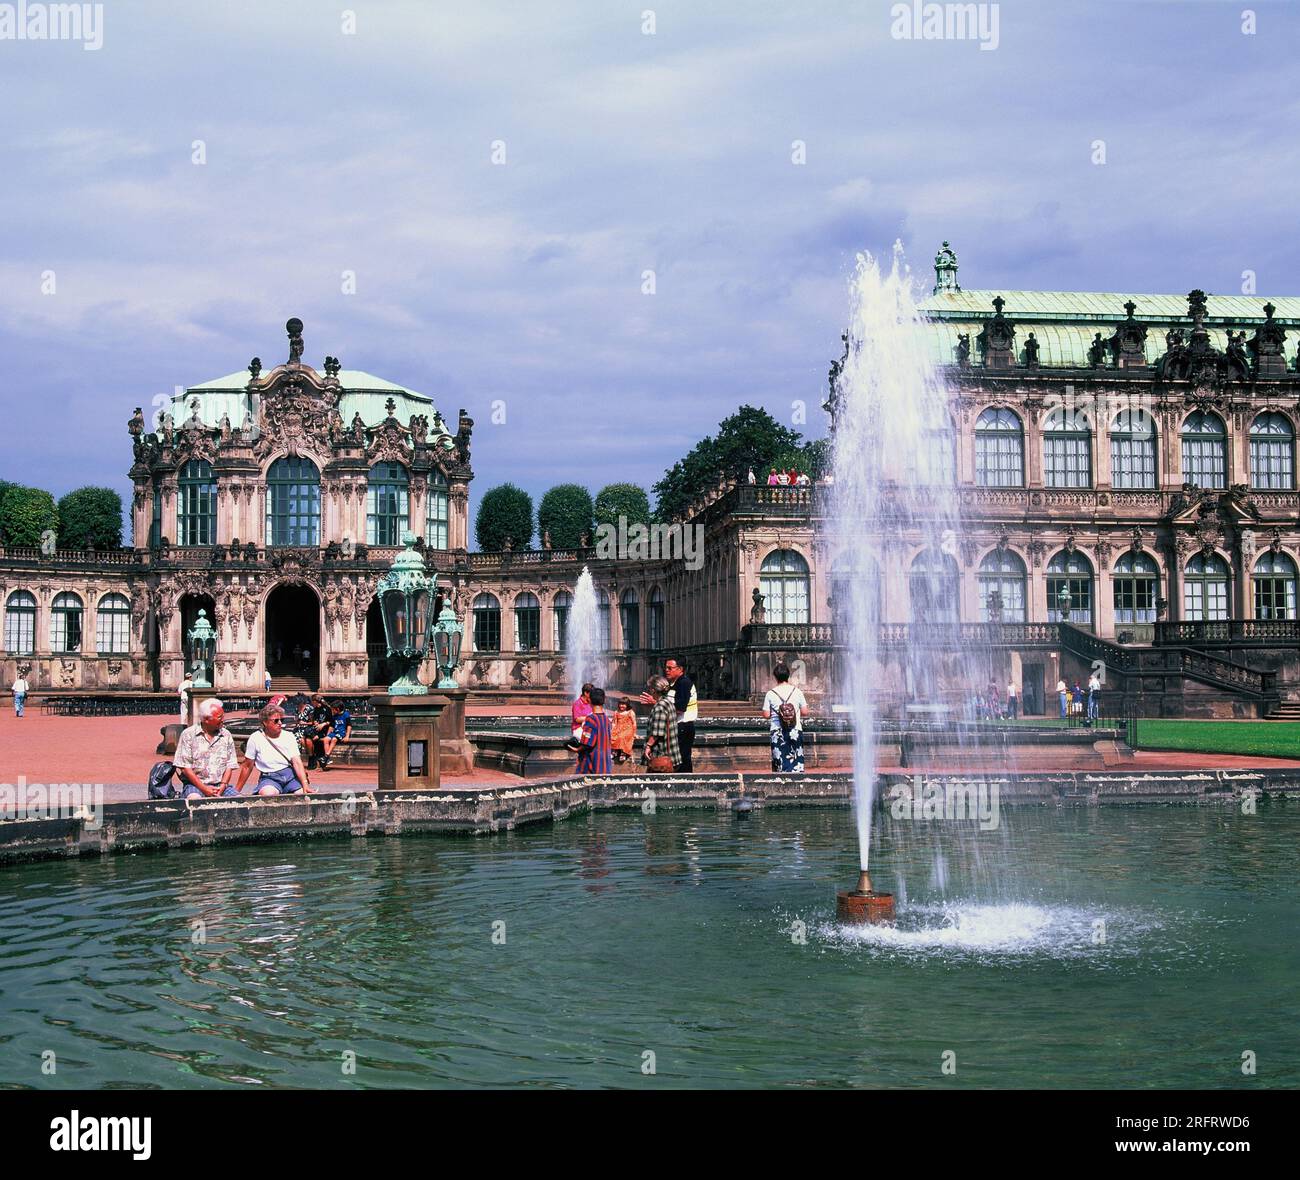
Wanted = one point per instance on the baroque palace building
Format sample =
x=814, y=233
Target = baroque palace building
x=1126, y=470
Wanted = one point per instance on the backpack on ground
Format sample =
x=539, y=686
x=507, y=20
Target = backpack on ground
x=160, y=781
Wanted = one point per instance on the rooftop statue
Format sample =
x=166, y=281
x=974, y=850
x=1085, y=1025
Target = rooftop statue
x=296, y=346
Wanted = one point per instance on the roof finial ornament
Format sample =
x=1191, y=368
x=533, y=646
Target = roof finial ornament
x=945, y=270
x=294, y=328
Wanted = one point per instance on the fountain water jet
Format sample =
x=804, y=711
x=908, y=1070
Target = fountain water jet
x=894, y=489
x=582, y=639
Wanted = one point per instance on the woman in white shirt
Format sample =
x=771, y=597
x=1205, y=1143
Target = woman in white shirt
x=276, y=757
x=785, y=706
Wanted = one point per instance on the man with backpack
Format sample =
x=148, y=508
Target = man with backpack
x=206, y=760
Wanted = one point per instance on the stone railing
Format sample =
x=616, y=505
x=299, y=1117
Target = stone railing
x=805, y=635
x=34, y=555
x=953, y=635
x=1225, y=632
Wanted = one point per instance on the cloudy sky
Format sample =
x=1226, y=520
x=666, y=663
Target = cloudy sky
x=521, y=283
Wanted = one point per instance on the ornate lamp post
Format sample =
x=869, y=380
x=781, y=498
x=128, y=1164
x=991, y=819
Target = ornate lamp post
x=447, y=636
x=201, y=645
x=1063, y=604
x=405, y=596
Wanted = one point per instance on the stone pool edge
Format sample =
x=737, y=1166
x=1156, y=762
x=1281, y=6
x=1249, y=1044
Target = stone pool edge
x=177, y=824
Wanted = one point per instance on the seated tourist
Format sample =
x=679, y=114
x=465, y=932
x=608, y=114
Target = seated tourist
x=205, y=758
x=276, y=757
x=623, y=731
x=340, y=730
x=319, y=721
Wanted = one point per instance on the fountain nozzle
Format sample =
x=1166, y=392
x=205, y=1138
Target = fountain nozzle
x=864, y=883
x=863, y=905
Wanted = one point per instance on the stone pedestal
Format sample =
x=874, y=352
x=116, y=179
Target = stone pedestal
x=409, y=741
x=454, y=749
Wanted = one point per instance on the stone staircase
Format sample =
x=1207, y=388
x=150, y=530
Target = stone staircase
x=1286, y=711
x=289, y=685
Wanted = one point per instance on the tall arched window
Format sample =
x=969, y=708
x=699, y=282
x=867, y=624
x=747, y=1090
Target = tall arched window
x=113, y=625
x=654, y=620
x=436, y=513
x=603, y=611
x=1133, y=450
x=1136, y=583
x=935, y=588
x=940, y=457
x=196, y=504
x=999, y=450
x=1072, y=572
x=1275, y=587
x=1272, y=452
x=1067, y=449
x=783, y=582
x=388, y=504
x=1205, y=446
x=528, y=622
x=629, y=617
x=1002, y=571
x=293, y=502
x=560, y=609
x=855, y=586
x=65, y=623
x=20, y=624
x=1205, y=588
x=487, y=622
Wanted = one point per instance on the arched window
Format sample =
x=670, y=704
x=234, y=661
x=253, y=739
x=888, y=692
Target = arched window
x=1272, y=452
x=436, y=513
x=487, y=622
x=196, y=504
x=1067, y=449
x=999, y=450
x=629, y=617
x=1002, y=572
x=1133, y=450
x=1072, y=573
x=560, y=609
x=113, y=625
x=783, y=582
x=528, y=622
x=293, y=502
x=654, y=620
x=20, y=624
x=1275, y=587
x=1136, y=582
x=1205, y=446
x=934, y=588
x=65, y=623
x=602, y=609
x=941, y=457
x=388, y=504
x=1205, y=588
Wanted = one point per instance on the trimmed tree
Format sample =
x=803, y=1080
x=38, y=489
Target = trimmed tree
x=566, y=513
x=90, y=516
x=622, y=499
x=26, y=514
x=505, y=514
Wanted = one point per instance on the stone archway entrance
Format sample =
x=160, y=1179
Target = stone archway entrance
x=291, y=630
x=376, y=646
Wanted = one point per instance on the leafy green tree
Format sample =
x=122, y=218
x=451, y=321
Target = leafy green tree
x=504, y=514
x=90, y=516
x=26, y=514
x=622, y=499
x=566, y=513
x=750, y=437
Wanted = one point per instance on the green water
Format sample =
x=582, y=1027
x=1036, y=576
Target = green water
x=674, y=935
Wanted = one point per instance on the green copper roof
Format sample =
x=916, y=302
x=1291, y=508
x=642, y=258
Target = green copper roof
x=363, y=393
x=1065, y=322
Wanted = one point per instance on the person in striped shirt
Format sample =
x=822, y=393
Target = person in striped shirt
x=595, y=748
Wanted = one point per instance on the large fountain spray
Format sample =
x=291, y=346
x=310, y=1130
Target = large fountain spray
x=895, y=513
x=583, y=639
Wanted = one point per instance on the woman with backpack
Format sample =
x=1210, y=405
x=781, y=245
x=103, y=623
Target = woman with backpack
x=785, y=706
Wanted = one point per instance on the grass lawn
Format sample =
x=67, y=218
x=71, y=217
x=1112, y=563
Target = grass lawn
x=1279, y=739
